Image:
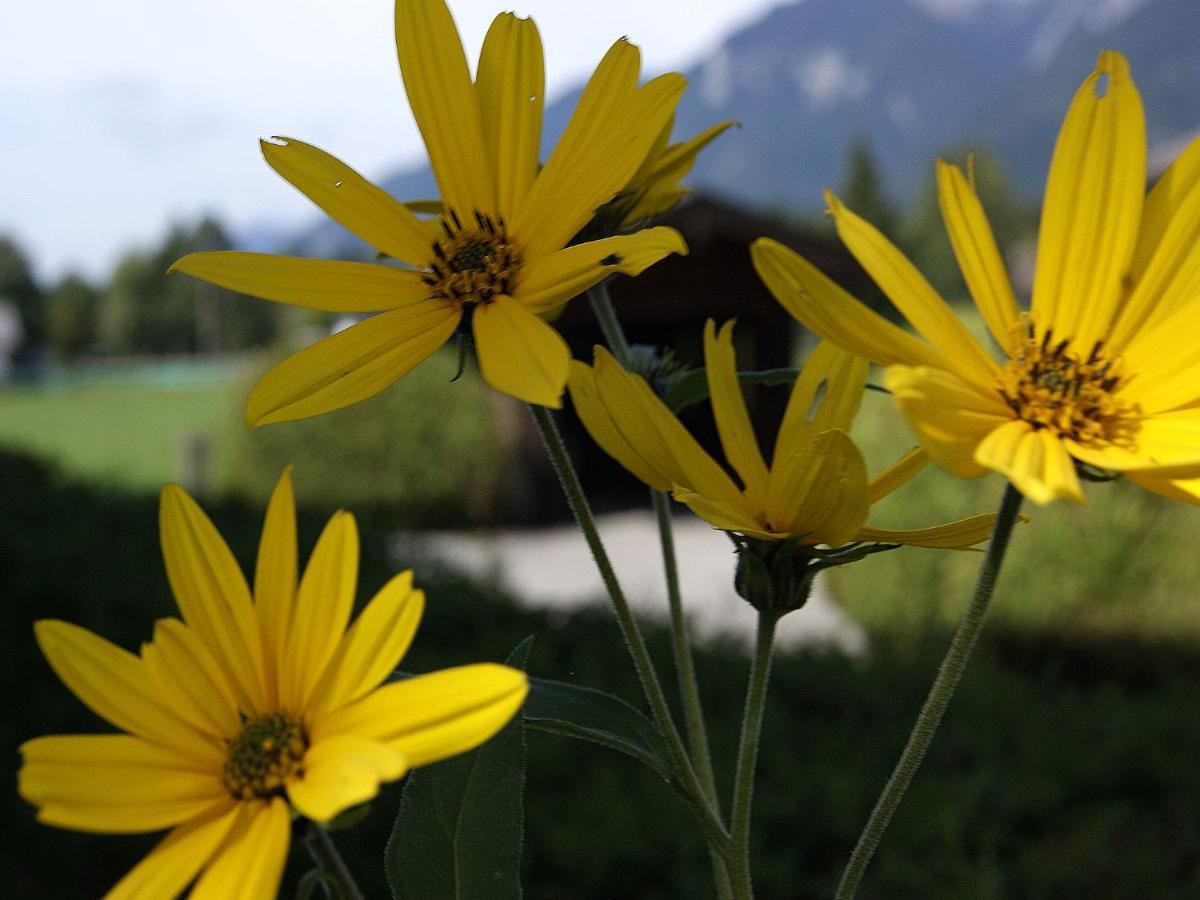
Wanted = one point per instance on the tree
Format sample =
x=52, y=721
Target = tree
x=18, y=285
x=71, y=317
x=923, y=233
x=862, y=191
x=146, y=311
x=862, y=187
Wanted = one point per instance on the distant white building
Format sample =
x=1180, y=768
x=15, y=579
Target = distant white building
x=12, y=335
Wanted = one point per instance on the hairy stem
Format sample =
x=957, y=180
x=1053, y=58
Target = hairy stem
x=743, y=781
x=689, y=689
x=936, y=702
x=614, y=335
x=634, y=642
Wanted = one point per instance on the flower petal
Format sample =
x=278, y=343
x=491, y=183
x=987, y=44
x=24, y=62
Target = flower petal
x=915, y=297
x=550, y=281
x=212, y=594
x=342, y=771
x=189, y=665
x=275, y=578
x=375, y=643
x=589, y=166
x=978, y=256
x=1167, y=446
x=249, y=864
x=1162, y=363
x=658, y=190
x=351, y=365
x=115, y=783
x=659, y=437
x=1183, y=490
x=732, y=417
x=1166, y=262
x=324, y=602
x=820, y=493
x=949, y=416
x=724, y=516
x=202, y=715
x=171, y=866
x=510, y=85
x=519, y=354
x=607, y=92
x=431, y=717
x=604, y=431
x=825, y=309
x=827, y=394
x=951, y=536
x=444, y=104
x=1092, y=207
x=1035, y=461
x=310, y=283
x=898, y=474
x=349, y=199
x=115, y=685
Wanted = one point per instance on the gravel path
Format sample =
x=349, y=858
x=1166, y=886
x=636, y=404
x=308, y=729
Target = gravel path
x=551, y=568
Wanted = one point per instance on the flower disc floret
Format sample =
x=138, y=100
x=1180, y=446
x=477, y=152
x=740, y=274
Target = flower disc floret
x=1049, y=385
x=267, y=753
x=472, y=265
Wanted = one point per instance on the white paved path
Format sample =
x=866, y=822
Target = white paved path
x=551, y=568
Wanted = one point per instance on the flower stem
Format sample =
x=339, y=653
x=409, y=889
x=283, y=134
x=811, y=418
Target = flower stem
x=689, y=689
x=936, y=702
x=325, y=854
x=630, y=631
x=743, y=781
x=614, y=336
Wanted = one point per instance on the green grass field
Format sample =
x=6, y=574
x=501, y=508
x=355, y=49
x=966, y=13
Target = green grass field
x=121, y=435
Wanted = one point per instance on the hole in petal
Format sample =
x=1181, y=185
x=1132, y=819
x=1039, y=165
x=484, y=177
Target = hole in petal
x=817, y=400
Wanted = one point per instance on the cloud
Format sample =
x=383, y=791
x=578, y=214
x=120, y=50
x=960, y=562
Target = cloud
x=826, y=77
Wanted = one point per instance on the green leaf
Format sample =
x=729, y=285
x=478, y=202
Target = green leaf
x=592, y=715
x=688, y=387
x=685, y=389
x=461, y=822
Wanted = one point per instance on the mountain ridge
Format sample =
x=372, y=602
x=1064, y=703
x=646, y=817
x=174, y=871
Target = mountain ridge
x=809, y=77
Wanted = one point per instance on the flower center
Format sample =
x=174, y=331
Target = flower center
x=1050, y=386
x=472, y=264
x=264, y=756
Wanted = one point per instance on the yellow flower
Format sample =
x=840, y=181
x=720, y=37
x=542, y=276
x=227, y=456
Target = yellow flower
x=249, y=708
x=655, y=187
x=1102, y=370
x=497, y=258
x=816, y=489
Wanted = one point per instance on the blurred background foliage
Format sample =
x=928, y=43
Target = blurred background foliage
x=1066, y=767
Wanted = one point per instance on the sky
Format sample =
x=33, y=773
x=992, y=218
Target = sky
x=118, y=118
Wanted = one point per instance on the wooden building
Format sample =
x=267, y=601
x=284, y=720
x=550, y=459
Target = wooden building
x=666, y=307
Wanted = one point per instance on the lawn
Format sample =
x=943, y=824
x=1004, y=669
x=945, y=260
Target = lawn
x=123, y=432
x=423, y=448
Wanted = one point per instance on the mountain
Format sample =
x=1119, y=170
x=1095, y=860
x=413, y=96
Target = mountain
x=914, y=77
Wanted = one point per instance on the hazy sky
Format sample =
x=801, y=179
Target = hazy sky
x=118, y=117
